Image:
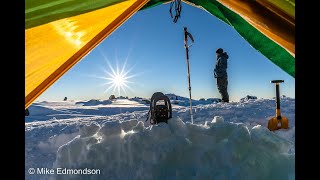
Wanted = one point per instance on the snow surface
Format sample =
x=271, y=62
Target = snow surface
x=226, y=141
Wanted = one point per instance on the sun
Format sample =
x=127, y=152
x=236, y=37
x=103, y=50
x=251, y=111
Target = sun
x=117, y=79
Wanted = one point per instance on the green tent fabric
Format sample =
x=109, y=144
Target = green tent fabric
x=45, y=11
x=260, y=42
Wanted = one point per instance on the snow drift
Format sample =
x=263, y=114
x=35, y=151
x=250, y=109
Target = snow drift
x=177, y=150
x=226, y=141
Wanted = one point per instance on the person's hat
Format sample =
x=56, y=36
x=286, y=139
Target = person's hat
x=219, y=51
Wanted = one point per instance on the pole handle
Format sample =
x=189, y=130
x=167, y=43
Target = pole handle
x=277, y=81
x=186, y=35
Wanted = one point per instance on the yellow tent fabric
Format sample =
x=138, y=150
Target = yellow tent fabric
x=53, y=48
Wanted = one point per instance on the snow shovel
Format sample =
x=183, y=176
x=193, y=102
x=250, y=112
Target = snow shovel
x=278, y=122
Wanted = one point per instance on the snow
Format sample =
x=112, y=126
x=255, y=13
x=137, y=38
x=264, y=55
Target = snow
x=248, y=97
x=226, y=141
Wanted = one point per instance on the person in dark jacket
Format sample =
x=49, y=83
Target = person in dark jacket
x=220, y=73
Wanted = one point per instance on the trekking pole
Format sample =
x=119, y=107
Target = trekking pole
x=186, y=34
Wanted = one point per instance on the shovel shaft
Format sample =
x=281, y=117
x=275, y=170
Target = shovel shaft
x=277, y=82
x=278, y=96
x=278, y=112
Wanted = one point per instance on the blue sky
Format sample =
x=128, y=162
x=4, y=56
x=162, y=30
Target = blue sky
x=151, y=47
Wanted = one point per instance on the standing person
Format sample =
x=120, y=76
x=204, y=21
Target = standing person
x=220, y=73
